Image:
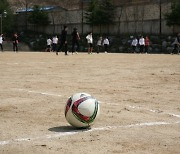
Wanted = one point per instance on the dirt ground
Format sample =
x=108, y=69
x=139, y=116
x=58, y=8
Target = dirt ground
x=139, y=97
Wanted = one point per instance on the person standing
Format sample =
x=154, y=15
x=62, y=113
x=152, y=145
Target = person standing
x=1, y=42
x=49, y=42
x=99, y=44
x=147, y=43
x=90, y=43
x=141, y=43
x=176, y=44
x=54, y=43
x=75, y=40
x=63, y=41
x=15, y=42
x=106, y=44
x=134, y=44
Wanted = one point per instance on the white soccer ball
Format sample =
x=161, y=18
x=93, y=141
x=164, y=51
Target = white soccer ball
x=81, y=110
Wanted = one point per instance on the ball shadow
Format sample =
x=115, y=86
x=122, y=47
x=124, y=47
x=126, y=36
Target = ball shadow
x=67, y=129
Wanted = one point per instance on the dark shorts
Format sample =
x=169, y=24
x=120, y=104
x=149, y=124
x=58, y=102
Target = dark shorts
x=90, y=45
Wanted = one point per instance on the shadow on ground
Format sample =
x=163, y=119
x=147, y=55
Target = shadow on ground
x=67, y=129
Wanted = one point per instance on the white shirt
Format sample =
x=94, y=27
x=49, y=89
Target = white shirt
x=106, y=41
x=141, y=41
x=89, y=38
x=49, y=41
x=1, y=39
x=55, y=40
x=134, y=42
x=176, y=41
x=99, y=42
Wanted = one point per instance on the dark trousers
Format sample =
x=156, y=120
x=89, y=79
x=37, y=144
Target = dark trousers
x=99, y=48
x=106, y=47
x=146, y=48
x=134, y=48
x=176, y=49
x=15, y=47
x=141, y=48
x=54, y=47
x=63, y=43
x=75, y=42
x=1, y=47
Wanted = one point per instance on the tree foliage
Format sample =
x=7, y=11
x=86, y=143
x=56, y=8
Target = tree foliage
x=3, y=5
x=100, y=12
x=7, y=19
x=173, y=18
x=38, y=17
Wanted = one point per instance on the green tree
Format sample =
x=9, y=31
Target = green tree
x=100, y=12
x=173, y=18
x=3, y=5
x=38, y=17
x=108, y=11
x=93, y=13
x=7, y=16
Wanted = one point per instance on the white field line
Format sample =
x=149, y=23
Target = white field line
x=61, y=134
x=175, y=115
x=146, y=109
x=154, y=111
x=17, y=63
x=12, y=63
x=37, y=92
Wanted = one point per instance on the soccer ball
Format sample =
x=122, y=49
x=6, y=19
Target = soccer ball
x=81, y=110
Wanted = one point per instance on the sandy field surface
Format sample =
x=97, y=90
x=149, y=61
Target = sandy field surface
x=139, y=97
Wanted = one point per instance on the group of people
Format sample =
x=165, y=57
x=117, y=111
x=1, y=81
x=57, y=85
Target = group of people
x=176, y=44
x=15, y=41
x=143, y=43
x=100, y=43
x=103, y=43
x=56, y=45
x=140, y=44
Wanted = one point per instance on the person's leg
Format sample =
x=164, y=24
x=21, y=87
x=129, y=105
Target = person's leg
x=59, y=48
x=141, y=48
x=16, y=47
x=65, y=48
x=134, y=49
x=78, y=47
x=73, y=45
x=98, y=49
x=105, y=47
x=146, y=48
x=48, y=48
x=174, y=50
x=52, y=48
x=55, y=47
x=1, y=47
x=13, y=46
x=89, y=48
